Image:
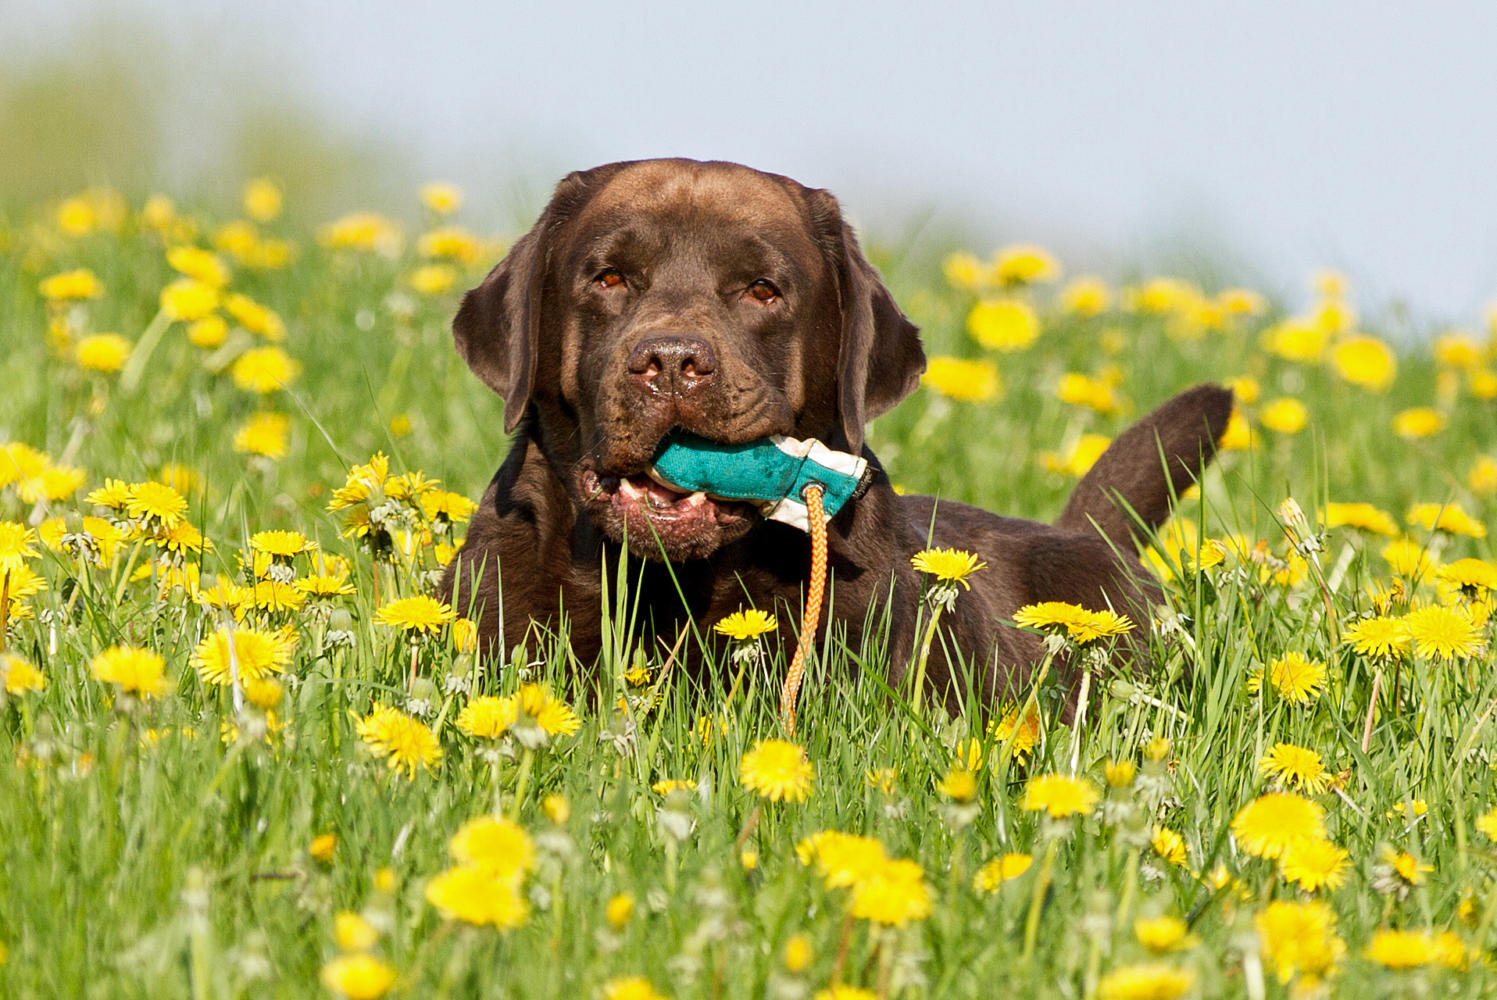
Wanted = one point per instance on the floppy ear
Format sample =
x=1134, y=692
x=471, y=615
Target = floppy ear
x=498, y=327
x=880, y=358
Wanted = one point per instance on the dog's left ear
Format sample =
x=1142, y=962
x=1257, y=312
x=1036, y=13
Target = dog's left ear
x=880, y=358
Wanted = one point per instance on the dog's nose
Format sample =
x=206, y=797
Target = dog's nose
x=673, y=363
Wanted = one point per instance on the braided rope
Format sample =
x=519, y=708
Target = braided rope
x=810, y=624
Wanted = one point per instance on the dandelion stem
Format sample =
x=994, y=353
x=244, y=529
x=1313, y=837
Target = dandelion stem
x=1377, y=684
x=136, y=366
x=4, y=608
x=1083, y=696
x=748, y=827
x=523, y=778
x=1037, y=900
x=844, y=945
x=918, y=688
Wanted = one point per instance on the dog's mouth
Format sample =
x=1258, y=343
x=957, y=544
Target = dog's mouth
x=657, y=518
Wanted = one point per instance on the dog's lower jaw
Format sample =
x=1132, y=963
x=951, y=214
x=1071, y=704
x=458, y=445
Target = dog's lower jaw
x=658, y=523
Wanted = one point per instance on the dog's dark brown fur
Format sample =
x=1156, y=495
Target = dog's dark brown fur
x=735, y=304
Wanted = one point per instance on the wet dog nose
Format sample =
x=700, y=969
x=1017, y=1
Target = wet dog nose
x=673, y=363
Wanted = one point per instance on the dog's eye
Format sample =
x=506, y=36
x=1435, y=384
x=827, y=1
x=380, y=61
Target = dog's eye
x=609, y=278
x=763, y=291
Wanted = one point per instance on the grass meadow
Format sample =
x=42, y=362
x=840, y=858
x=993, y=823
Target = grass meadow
x=239, y=757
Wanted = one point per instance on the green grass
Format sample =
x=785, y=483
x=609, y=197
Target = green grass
x=178, y=865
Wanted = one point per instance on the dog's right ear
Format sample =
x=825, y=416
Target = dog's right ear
x=498, y=327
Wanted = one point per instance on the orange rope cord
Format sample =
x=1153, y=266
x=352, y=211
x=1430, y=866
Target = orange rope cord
x=810, y=624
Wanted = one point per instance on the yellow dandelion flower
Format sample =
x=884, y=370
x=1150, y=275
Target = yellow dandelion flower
x=1447, y=517
x=1381, y=638
x=209, y=332
x=667, y=786
x=1002, y=728
x=749, y=623
x=1299, y=939
x=441, y=197
x=970, y=381
x=1471, y=577
x=1024, y=264
x=488, y=717
x=1147, y=981
x=1418, y=422
x=999, y=870
x=264, y=434
x=451, y=242
x=188, y=299
x=630, y=988
x=352, y=932
x=1285, y=415
x=1400, y=949
x=947, y=565
x=500, y=846
x=367, y=231
x=963, y=271
x=398, y=739
x=257, y=319
x=102, y=352
x=1407, y=867
x=1482, y=477
x=281, y=543
x=16, y=546
x=444, y=505
x=1359, y=515
x=1365, y=361
x=136, y=670
x=1003, y=324
x=263, y=370
x=1487, y=824
x=20, y=676
x=1241, y=302
x=360, y=976
x=262, y=199
x=777, y=770
x=1076, y=462
x=419, y=614
x=72, y=286
x=322, y=847
x=1158, y=296
x=432, y=279
x=842, y=991
x=618, y=911
x=1161, y=934
x=246, y=653
x=1096, y=394
x=1297, y=678
x=553, y=715
x=959, y=785
x=1408, y=558
x=478, y=896
x=1268, y=825
x=265, y=693
x=893, y=895
x=1060, y=796
x=156, y=503
x=201, y=265
x=797, y=953
x=1296, y=340
x=1080, y=624
x=1314, y=863
x=273, y=595
x=1086, y=296
x=1295, y=767
x=1445, y=633
x=465, y=635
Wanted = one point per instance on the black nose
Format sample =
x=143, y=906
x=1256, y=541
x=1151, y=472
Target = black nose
x=673, y=363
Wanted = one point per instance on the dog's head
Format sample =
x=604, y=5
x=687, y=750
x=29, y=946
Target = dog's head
x=665, y=294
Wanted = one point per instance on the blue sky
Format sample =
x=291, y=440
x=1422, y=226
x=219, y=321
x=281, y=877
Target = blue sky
x=1274, y=137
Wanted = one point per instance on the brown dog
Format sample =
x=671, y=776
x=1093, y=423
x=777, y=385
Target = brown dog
x=734, y=304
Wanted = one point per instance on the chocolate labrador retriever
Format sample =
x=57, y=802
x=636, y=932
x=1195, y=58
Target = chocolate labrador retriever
x=665, y=295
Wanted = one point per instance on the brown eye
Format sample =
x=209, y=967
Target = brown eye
x=763, y=291
x=610, y=278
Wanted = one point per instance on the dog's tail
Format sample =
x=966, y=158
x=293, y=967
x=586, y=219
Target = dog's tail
x=1128, y=492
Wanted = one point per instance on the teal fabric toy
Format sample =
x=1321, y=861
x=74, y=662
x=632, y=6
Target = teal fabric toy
x=771, y=473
